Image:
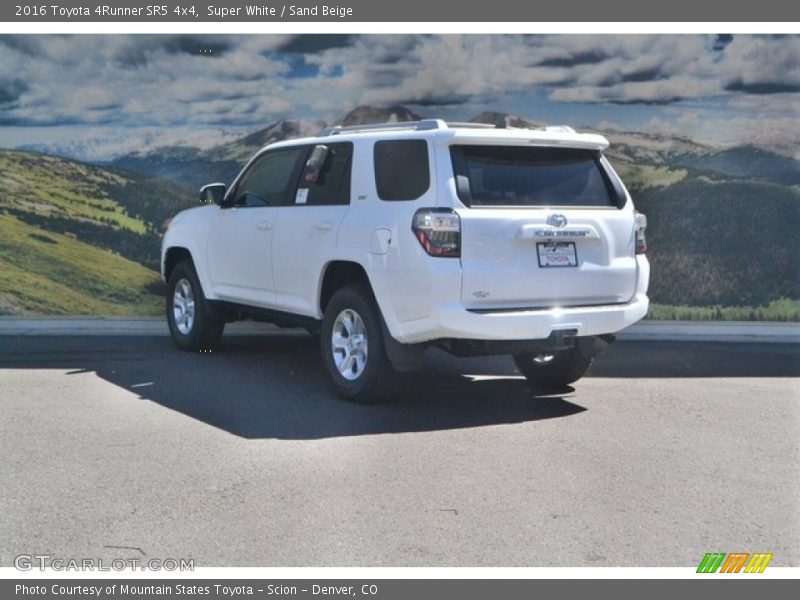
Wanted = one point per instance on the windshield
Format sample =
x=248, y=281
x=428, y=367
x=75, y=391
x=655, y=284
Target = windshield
x=529, y=176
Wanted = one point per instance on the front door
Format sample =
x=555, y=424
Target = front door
x=241, y=236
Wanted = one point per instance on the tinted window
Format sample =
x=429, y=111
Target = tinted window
x=401, y=169
x=528, y=176
x=332, y=184
x=270, y=180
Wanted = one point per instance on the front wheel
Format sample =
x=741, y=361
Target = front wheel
x=353, y=351
x=554, y=370
x=192, y=323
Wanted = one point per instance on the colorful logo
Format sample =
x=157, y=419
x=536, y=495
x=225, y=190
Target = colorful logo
x=734, y=562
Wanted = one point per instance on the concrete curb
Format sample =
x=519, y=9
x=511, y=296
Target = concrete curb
x=713, y=331
x=144, y=326
x=683, y=331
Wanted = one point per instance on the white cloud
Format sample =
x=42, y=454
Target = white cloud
x=248, y=81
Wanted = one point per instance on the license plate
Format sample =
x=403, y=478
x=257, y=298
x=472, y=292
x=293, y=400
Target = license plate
x=557, y=254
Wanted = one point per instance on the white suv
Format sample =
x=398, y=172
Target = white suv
x=387, y=239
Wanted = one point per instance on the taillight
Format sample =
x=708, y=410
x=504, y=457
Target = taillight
x=641, y=226
x=439, y=231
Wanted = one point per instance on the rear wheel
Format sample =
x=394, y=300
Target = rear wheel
x=554, y=370
x=353, y=347
x=192, y=322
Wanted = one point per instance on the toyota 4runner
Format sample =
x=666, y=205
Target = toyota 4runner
x=387, y=239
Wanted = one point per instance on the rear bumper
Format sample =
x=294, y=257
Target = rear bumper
x=454, y=321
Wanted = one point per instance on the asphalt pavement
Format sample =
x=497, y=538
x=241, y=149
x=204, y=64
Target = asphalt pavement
x=125, y=447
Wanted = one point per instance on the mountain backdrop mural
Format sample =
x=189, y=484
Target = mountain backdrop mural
x=87, y=188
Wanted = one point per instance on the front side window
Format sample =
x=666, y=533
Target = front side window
x=530, y=176
x=271, y=179
x=401, y=169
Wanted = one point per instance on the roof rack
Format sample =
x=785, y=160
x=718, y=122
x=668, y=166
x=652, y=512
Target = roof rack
x=470, y=125
x=423, y=125
x=427, y=125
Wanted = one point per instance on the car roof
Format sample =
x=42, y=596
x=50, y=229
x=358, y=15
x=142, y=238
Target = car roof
x=456, y=133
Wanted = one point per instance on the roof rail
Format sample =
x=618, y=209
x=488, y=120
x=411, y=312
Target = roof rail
x=422, y=125
x=471, y=125
x=414, y=125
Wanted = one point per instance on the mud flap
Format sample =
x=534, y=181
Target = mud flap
x=404, y=357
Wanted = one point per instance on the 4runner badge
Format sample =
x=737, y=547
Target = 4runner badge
x=557, y=220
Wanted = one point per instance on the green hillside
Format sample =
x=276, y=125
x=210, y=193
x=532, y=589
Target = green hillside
x=49, y=273
x=746, y=162
x=56, y=187
x=721, y=227
x=80, y=239
x=120, y=211
x=729, y=243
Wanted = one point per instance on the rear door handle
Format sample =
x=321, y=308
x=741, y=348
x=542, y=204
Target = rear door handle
x=264, y=225
x=324, y=225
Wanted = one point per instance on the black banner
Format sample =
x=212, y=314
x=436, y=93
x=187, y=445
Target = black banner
x=392, y=11
x=384, y=589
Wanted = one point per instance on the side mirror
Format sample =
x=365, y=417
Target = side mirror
x=315, y=163
x=213, y=192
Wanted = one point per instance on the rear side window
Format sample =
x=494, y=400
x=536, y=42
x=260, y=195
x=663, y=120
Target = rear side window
x=530, y=176
x=401, y=169
x=332, y=184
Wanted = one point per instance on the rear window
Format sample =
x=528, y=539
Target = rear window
x=530, y=176
x=401, y=169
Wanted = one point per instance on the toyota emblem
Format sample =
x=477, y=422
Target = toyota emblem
x=557, y=220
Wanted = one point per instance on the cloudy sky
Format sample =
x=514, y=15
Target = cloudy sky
x=100, y=96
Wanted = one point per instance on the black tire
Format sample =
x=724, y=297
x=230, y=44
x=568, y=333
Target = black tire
x=372, y=382
x=565, y=367
x=205, y=328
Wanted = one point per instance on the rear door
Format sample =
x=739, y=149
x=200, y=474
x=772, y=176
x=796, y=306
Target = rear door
x=306, y=229
x=543, y=227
